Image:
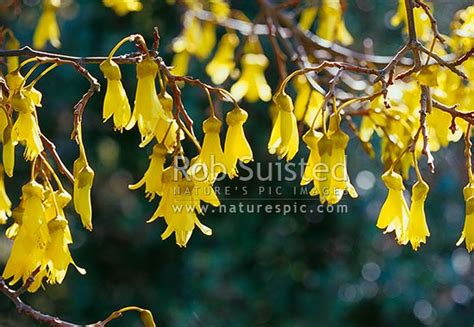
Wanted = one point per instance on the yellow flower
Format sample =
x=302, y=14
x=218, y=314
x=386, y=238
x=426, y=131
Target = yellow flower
x=116, y=101
x=307, y=17
x=417, y=230
x=220, y=67
x=57, y=251
x=153, y=176
x=8, y=150
x=5, y=203
x=220, y=9
x=147, y=109
x=312, y=138
x=252, y=83
x=307, y=103
x=181, y=57
x=236, y=146
x=462, y=30
x=47, y=28
x=14, y=81
x=26, y=127
x=123, y=7
x=467, y=234
x=331, y=25
x=210, y=162
x=422, y=21
x=179, y=203
x=208, y=41
x=83, y=179
x=394, y=214
x=284, y=139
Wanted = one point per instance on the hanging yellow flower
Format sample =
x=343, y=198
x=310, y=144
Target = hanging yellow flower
x=467, y=234
x=167, y=130
x=223, y=63
x=307, y=103
x=123, y=7
x=311, y=139
x=116, y=102
x=178, y=207
x=153, y=176
x=47, y=28
x=210, y=162
x=417, y=230
x=5, y=203
x=236, y=146
x=83, y=180
x=331, y=24
x=284, y=139
x=307, y=17
x=147, y=109
x=394, y=215
x=12, y=44
x=181, y=57
x=422, y=21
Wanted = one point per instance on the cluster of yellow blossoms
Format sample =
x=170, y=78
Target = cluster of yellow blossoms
x=40, y=231
x=181, y=191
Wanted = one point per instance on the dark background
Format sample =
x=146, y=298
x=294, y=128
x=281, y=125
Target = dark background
x=257, y=269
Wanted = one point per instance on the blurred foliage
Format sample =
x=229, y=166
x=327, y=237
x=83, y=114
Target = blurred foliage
x=257, y=269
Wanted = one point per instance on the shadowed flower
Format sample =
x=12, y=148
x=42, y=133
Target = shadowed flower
x=221, y=66
x=116, y=101
x=152, y=179
x=5, y=203
x=417, y=230
x=47, y=28
x=394, y=215
x=331, y=25
x=312, y=138
x=236, y=146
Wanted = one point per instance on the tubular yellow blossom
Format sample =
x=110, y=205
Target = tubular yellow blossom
x=179, y=203
x=147, y=108
x=208, y=41
x=307, y=17
x=12, y=44
x=236, y=146
x=181, y=57
x=394, y=215
x=252, y=83
x=417, y=230
x=5, y=203
x=467, y=234
x=220, y=9
x=331, y=25
x=47, y=28
x=123, y=7
x=26, y=127
x=307, y=103
x=223, y=63
x=8, y=150
x=211, y=161
x=312, y=138
x=116, y=102
x=284, y=139
x=153, y=176
x=83, y=180
x=422, y=21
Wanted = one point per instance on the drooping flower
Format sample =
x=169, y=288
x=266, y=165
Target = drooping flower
x=152, y=178
x=211, y=161
x=83, y=180
x=5, y=203
x=8, y=150
x=417, y=230
x=147, y=109
x=307, y=17
x=394, y=215
x=116, y=102
x=284, y=139
x=221, y=66
x=181, y=57
x=123, y=7
x=467, y=234
x=311, y=139
x=307, y=103
x=26, y=128
x=47, y=28
x=236, y=146
x=331, y=25
x=422, y=21
x=179, y=203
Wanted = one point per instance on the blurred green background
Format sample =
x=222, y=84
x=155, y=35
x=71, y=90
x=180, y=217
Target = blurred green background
x=257, y=269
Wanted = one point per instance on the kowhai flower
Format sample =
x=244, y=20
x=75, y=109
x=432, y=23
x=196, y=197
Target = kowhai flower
x=417, y=230
x=236, y=146
x=116, y=102
x=284, y=139
x=311, y=139
x=223, y=63
x=331, y=25
x=83, y=180
x=394, y=215
x=47, y=28
x=467, y=234
x=153, y=176
x=123, y=7
x=5, y=203
x=210, y=162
